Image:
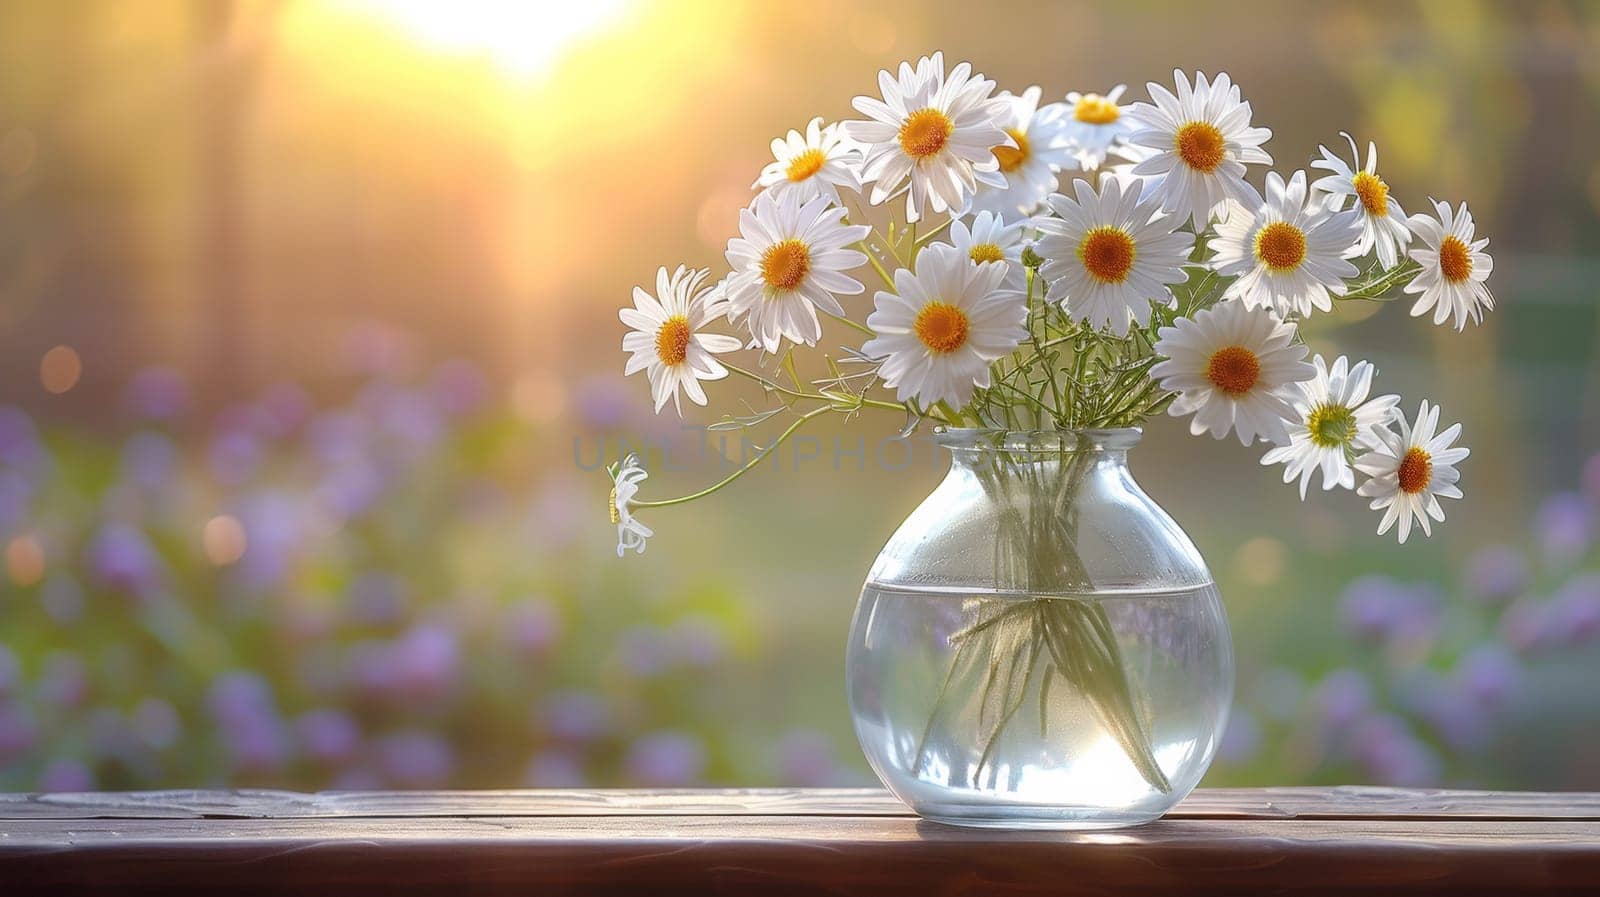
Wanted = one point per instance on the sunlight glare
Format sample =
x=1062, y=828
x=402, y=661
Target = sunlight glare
x=523, y=38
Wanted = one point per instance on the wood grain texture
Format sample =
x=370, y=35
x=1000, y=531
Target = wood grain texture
x=1232, y=842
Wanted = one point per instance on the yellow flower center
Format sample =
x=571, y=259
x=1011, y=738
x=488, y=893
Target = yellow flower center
x=1107, y=253
x=1011, y=158
x=1234, y=370
x=1454, y=259
x=616, y=516
x=1373, y=193
x=1331, y=426
x=806, y=164
x=925, y=133
x=785, y=264
x=1095, y=109
x=672, y=340
x=1200, y=145
x=986, y=252
x=1416, y=471
x=942, y=327
x=1281, y=246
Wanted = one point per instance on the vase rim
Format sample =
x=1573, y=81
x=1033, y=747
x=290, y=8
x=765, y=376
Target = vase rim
x=1092, y=439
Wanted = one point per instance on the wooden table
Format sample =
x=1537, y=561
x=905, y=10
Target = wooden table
x=763, y=842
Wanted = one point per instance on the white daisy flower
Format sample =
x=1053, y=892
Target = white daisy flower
x=813, y=164
x=939, y=131
x=625, y=479
x=1203, y=141
x=989, y=239
x=1096, y=125
x=1235, y=369
x=1454, y=267
x=1289, y=254
x=1109, y=257
x=1028, y=168
x=789, y=261
x=666, y=341
x=950, y=320
x=1333, y=420
x=1411, y=470
x=1383, y=222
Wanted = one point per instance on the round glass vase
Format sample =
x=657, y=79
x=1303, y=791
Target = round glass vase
x=1039, y=645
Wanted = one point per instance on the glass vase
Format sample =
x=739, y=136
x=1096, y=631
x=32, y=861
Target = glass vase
x=1039, y=645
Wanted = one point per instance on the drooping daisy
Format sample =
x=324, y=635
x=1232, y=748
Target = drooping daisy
x=1454, y=267
x=943, y=326
x=1235, y=369
x=1383, y=222
x=625, y=479
x=666, y=341
x=1028, y=168
x=813, y=164
x=1109, y=257
x=1096, y=125
x=789, y=261
x=1203, y=141
x=939, y=131
x=1289, y=254
x=1411, y=470
x=990, y=239
x=1333, y=420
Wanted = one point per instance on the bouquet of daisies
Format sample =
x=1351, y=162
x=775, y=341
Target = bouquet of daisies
x=1157, y=278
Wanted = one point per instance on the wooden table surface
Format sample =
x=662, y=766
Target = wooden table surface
x=1222, y=841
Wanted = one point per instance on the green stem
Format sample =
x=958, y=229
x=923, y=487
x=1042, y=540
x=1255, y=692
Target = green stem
x=668, y=502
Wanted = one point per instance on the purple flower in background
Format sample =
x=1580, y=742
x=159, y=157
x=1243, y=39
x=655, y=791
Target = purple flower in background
x=602, y=404
x=416, y=759
x=328, y=736
x=644, y=651
x=156, y=724
x=425, y=659
x=273, y=526
x=1525, y=625
x=64, y=681
x=66, y=776
x=121, y=559
x=377, y=598
x=698, y=641
x=1342, y=697
x=18, y=731
x=1565, y=524
x=247, y=718
x=149, y=460
x=555, y=768
x=1385, y=745
x=806, y=759
x=1371, y=606
x=337, y=439
x=1241, y=741
x=665, y=760
x=1497, y=575
x=533, y=625
x=234, y=456
x=1573, y=616
x=1488, y=675
x=10, y=673
x=19, y=440
x=16, y=494
x=459, y=388
x=576, y=716
x=156, y=394
x=285, y=407
x=1447, y=709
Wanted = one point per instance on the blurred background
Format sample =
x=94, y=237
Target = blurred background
x=310, y=352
